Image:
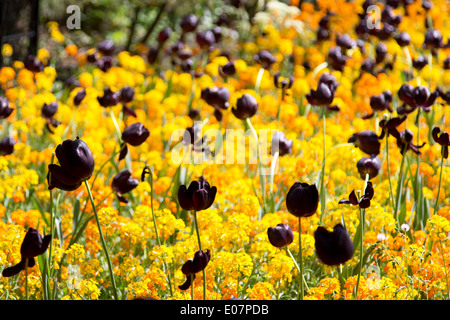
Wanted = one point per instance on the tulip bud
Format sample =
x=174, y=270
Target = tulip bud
x=246, y=107
x=199, y=196
x=49, y=110
x=367, y=141
x=369, y=166
x=7, y=145
x=280, y=236
x=126, y=94
x=281, y=144
x=302, y=200
x=189, y=22
x=433, y=39
x=265, y=58
x=5, y=110
x=333, y=248
x=403, y=39
x=228, y=69
x=79, y=97
x=123, y=183
x=135, y=134
x=76, y=164
x=106, y=47
x=216, y=97
x=109, y=98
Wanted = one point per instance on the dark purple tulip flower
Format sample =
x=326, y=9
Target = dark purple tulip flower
x=126, y=94
x=5, y=110
x=302, y=199
x=48, y=111
x=370, y=166
x=189, y=22
x=367, y=141
x=205, y=39
x=7, y=145
x=433, y=39
x=216, y=97
x=106, y=47
x=228, y=69
x=198, y=196
x=33, y=245
x=135, y=134
x=404, y=142
x=265, y=58
x=403, y=39
x=76, y=164
x=280, y=236
x=109, y=98
x=33, y=64
x=442, y=138
x=390, y=126
x=284, y=83
x=79, y=97
x=324, y=95
x=281, y=144
x=333, y=248
x=164, y=35
x=123, y=183
x=336, y=58
x=364, y=201
x=246, y=107
x=193, y=266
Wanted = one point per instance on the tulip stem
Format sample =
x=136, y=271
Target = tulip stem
x=200, y=248
x=105, y=248
x=322, y=174
x=298, y=268
x=272, y=172
x=399, y=187
x=26, y=278
x=261, y=176
x=150, y=178
x=300, y=255
x=258, y=79
x=362, y=221
x=439, y=187
x=391, y=192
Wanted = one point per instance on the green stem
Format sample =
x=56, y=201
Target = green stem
x=272, y=172
x=399, y=188
x=261, y=175
x=258, y=80
x=362, y=219
x=200, y=248
x=156, y=229
x=439, y=188
x=391, y=195
x=105, y=248
x=300, y=256
x=298, y=268
x=26, y=279
x=322, y=174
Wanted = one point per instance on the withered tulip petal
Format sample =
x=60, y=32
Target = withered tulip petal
x=353, y=198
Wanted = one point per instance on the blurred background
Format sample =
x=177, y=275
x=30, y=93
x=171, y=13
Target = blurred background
x=24, y=23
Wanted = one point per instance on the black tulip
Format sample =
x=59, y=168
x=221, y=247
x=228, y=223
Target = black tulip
x=420, y=62
x=189, y=23
x=441, y=138
x=369, y=165
x=280, y=236
x=364, y=201
x=164, y=35
x=193, y=266
x=76, y=164
x=246, y=107
x=135, y=134
x=336, y=59
x=228, y=69
x=302, y=199
x=126, y=94
x=7, y=145
x=109, y=98
x=345, y=41
x=404, y=142
x=403, y=39
x=33, y=245
x=5, y=110
x=281, y=144
x=79, y=97
x=106, y=47
x=265, y=58
x=49, y=110
x=123, y=183
x=33, y=64
x=216, y=97
x=205, y=39
x=199, y=196
x=367, y=141
x=333, y=248
x=433, y=39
